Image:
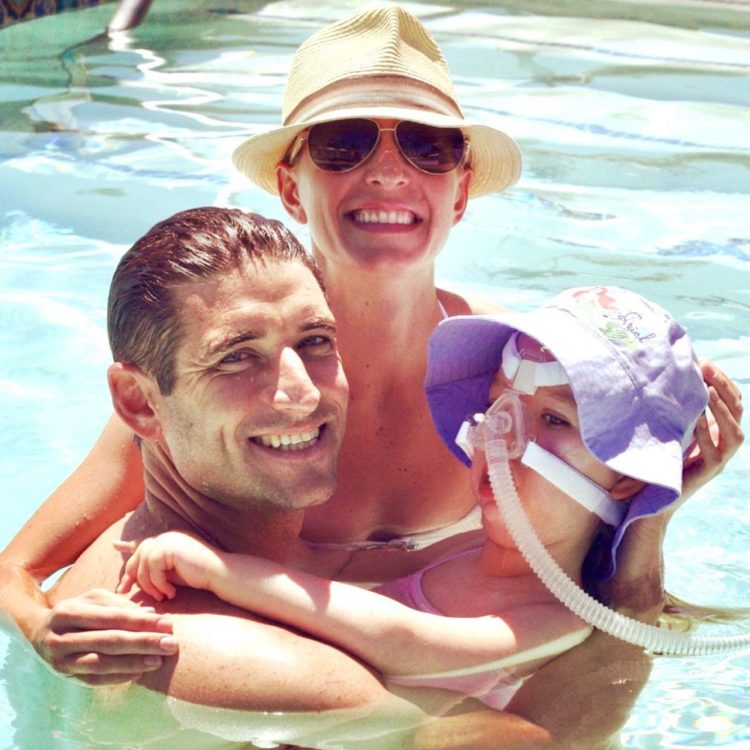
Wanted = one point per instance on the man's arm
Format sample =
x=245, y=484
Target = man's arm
x=232, y=660
x=229, y=658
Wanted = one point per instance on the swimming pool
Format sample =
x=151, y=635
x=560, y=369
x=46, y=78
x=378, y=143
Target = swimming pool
x=635, y=126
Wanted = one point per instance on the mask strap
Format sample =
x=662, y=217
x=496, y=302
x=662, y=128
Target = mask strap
x=574, y=484
x=526, y=376
x=466, y=438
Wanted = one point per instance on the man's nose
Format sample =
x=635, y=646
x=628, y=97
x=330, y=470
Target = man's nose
x=387, y=167
x=294, y=389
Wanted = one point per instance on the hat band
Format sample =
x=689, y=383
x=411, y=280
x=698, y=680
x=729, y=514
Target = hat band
x=363, y=94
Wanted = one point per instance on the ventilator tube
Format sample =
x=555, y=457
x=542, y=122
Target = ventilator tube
x=654, y=639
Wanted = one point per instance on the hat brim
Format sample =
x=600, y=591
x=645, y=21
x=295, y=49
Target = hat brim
x=495, y=156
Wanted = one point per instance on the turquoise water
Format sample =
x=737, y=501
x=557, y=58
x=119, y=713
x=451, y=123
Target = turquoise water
x=634, y=119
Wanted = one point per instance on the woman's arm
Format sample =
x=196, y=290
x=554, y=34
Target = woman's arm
x=388, y=635
x=103, y=488
x=638, y=586
x=107, y=484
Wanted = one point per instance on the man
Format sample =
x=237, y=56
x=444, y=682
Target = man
x=226, y=368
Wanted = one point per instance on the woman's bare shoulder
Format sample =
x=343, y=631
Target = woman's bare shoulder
x=469, y=304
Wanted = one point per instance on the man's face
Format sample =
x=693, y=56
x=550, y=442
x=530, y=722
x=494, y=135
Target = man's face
x=258, y=410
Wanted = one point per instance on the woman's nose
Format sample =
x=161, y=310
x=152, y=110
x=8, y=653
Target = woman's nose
x=387, y=166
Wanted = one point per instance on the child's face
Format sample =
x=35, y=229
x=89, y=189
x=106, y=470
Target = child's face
x=553, y=424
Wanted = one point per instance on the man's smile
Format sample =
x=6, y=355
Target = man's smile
x=289, y=441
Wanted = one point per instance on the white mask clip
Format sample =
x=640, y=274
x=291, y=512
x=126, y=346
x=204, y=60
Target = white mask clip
x=525, y=375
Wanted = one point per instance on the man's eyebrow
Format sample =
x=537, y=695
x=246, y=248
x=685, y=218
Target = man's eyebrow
x=319, y=322
x=227, y=342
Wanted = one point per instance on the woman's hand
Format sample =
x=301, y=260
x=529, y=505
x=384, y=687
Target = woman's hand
x=719, y=435
x=158, y=563
x=102, y=638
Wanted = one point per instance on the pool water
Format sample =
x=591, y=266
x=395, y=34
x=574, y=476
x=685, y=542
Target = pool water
x=634, y=120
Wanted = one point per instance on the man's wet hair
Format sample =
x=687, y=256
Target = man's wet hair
x=143, y=322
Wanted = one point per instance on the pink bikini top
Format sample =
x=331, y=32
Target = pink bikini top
x=490, y=683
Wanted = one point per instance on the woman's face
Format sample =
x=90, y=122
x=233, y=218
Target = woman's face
x=382, y=215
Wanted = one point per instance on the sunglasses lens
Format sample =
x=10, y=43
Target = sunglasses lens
x=434, y=150
x=343, y=144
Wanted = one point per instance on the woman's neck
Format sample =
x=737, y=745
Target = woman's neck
x=395, y=475
x=384, y=317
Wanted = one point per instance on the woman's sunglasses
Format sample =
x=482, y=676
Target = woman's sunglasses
x=342, y=145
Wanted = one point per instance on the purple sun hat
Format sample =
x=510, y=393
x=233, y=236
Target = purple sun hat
x=631, y=367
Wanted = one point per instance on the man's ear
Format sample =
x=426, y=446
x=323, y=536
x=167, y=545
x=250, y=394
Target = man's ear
x=133, y=396
x=625, y=487
x=289, y=194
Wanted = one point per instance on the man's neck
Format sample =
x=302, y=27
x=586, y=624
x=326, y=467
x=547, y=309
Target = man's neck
x=253, y=529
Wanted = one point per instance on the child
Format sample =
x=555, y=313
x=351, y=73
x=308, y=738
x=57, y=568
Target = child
x=602, y=392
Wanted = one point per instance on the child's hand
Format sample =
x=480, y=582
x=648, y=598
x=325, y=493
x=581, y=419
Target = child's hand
x=718, y=436
x=158, y=563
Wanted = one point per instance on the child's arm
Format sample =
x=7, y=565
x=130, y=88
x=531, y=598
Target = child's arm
x=391, y=637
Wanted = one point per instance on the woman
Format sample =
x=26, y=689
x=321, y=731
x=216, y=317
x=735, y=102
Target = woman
x=380, y=193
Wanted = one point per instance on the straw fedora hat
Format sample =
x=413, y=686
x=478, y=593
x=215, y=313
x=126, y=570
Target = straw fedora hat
x=381, y=64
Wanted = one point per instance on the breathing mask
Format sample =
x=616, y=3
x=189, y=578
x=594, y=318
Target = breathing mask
x=509, y=417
